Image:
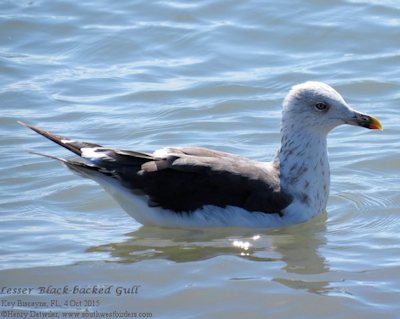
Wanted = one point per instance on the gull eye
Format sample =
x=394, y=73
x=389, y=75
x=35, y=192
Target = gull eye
x=321, y=106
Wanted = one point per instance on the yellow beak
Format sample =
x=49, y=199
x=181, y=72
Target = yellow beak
x=375, y=124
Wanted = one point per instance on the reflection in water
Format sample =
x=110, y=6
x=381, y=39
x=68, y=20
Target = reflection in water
x=296, y=246
x=300, y=252
x=186, y=245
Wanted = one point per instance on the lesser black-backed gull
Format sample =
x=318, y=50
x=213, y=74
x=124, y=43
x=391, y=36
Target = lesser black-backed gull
x=199, y=187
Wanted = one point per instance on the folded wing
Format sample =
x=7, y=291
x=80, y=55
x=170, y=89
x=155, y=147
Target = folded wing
x=183, y=179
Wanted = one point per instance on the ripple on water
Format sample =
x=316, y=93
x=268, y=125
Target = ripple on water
x=145, y=75
x=373, y=209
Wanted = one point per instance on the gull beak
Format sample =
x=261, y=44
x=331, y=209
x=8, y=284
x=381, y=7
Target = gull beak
x=374, y=123
x=365, y=120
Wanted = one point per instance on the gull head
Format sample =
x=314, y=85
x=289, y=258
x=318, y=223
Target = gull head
x=317, y=107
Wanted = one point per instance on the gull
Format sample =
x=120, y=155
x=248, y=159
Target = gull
x=188, y=187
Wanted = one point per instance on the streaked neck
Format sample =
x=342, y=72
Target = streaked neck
x=304, y=167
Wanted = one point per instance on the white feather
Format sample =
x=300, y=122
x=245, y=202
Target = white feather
x=66, y=141
x=91, y=153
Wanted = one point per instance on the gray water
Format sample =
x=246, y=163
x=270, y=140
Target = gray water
x=148, y=74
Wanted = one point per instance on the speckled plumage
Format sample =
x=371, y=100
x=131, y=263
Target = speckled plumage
x=198, y=187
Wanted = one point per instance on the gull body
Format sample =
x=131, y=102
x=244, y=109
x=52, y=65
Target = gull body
x=199, y=187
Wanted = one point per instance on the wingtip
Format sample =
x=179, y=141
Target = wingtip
x=23, y=123
x=48, y=156
x=73, y=146
x=26, y=125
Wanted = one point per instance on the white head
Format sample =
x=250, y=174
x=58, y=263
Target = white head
x=310, y=111
x=318, y=107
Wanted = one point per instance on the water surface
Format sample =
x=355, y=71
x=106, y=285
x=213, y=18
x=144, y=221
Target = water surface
x=144, y=75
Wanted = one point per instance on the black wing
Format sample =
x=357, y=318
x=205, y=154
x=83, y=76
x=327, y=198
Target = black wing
x=189, y=178
x=185, y=179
